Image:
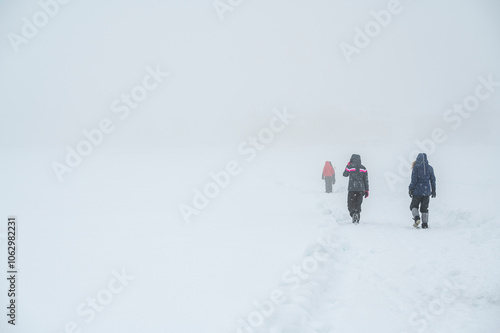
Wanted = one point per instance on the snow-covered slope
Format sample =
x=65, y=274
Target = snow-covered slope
x=163, y=162
x=385, y=276
x=271, y=253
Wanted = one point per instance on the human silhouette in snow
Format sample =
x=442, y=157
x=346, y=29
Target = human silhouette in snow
x=422, y=185
x=329, y=176
x=358, y=186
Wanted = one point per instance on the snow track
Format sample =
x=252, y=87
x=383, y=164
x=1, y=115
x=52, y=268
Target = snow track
x=385, y=276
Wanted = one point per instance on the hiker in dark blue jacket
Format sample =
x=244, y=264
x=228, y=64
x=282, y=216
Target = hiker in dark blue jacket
x=423, y=185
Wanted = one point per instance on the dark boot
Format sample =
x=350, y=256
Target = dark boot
x=355, y=218
x=425, y=220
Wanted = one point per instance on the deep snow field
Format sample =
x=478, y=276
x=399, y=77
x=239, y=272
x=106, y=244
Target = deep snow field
x=221, y=271
x=176, y=219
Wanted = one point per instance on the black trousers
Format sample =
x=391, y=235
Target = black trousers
x=354, y=201
x=328, y=184
x=422, y=201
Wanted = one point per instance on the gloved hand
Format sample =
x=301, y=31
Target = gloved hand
x=366, y=194
x=410, y=192
x=433, y=194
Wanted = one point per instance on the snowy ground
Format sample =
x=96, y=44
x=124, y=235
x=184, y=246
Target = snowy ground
x=160, y=97
x=271, y=236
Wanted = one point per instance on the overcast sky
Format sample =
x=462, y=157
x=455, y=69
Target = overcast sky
x=226, y=76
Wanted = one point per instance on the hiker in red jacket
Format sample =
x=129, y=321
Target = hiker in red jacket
x=328, y=176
